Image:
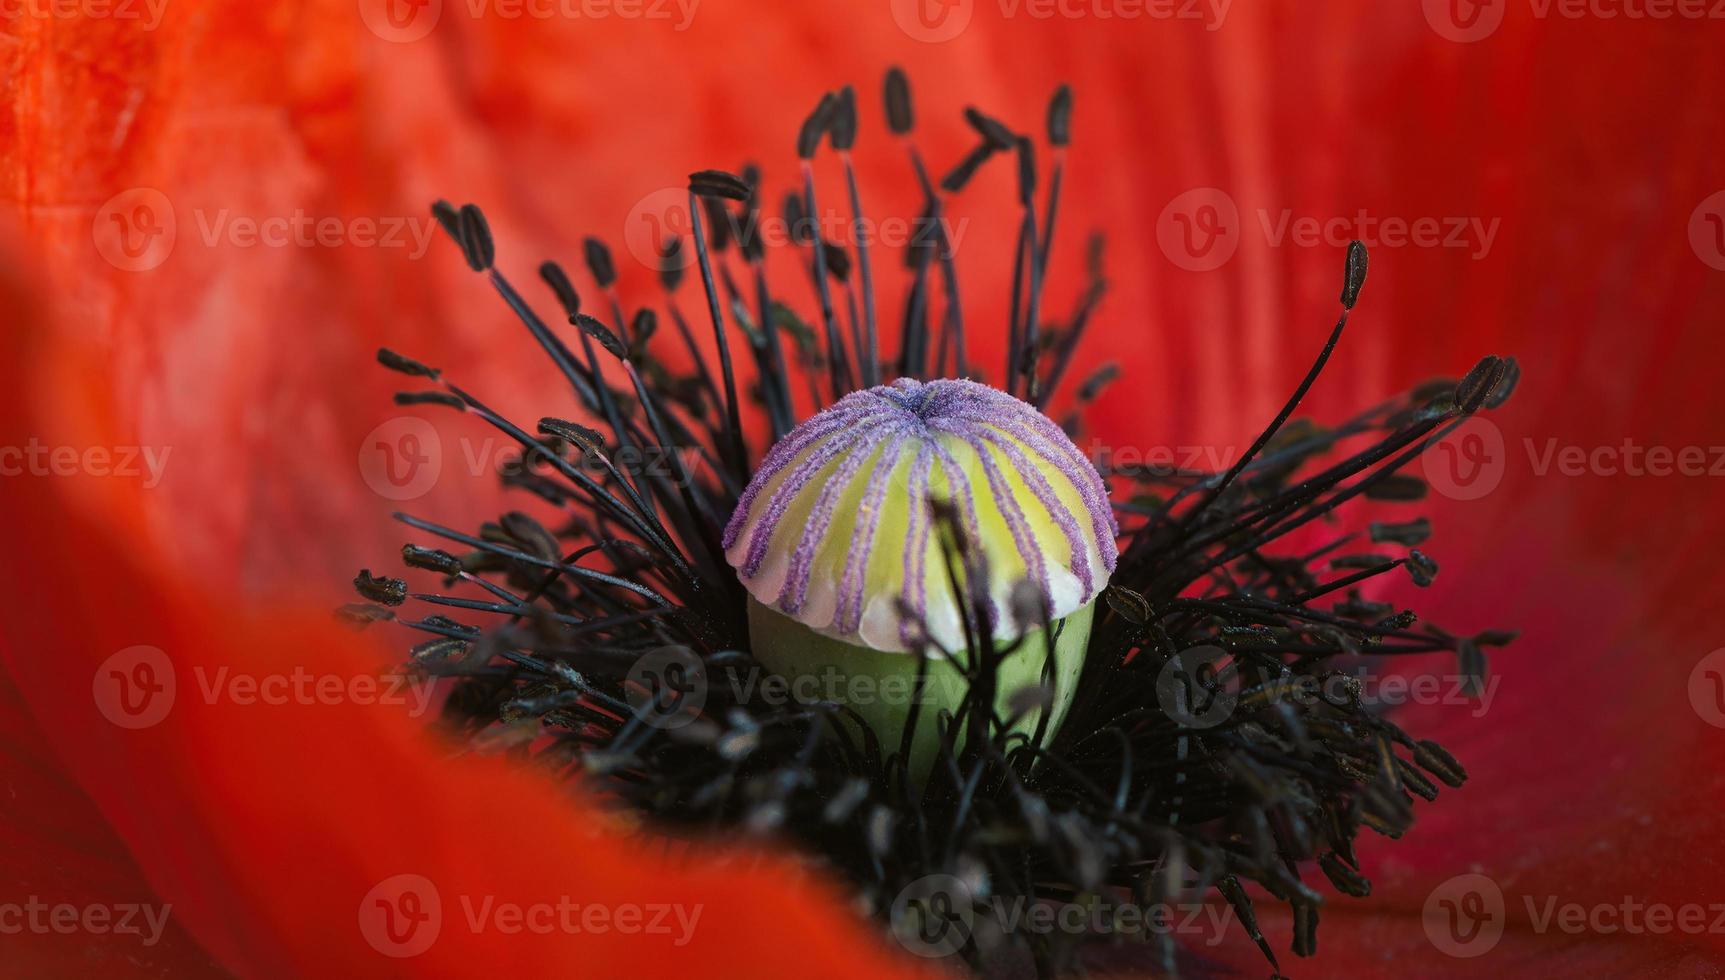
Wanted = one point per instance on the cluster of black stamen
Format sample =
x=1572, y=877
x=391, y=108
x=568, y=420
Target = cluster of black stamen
x=541, y=630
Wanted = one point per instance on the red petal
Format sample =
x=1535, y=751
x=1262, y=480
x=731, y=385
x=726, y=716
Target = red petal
x=1594, y=778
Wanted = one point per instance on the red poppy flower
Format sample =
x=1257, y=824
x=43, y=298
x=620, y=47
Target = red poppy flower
x=188, y=387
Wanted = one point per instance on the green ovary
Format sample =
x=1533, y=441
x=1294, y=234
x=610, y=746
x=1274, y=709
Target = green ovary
x=880, y=685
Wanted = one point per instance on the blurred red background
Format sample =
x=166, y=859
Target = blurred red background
x=1569, y=155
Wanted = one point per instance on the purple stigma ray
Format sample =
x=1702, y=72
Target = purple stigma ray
x=795, y=590
x=785, y=451
x=787, y=494
x=914, y=556
x=1045, y=495
x=856, y=448
x=1015, y=522
x=849, y=613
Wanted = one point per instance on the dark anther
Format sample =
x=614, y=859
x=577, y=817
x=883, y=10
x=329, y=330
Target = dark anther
x=642, y=327
x=598, y=331
x=1355, y=277
x=363, y=614
x=999, y=137
x=1477, y=384
x=599, y=262
x=431, y=559
x=476, y=241
x=1435, y=759
x=564, y=290
x=671, y=265
x=1421, y=568
x=388, y=591
x=1505, y=386
x=1060, y=116
x=844, y=123
x=449, y=218
x=718, y=183
x=406, y=365
x=960, y=175
x=815, y=126
x=1347, y=880
x=573, y=433
x=1411, y=533
x=1400, y=487
x=899, y=117
x=837, y=260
